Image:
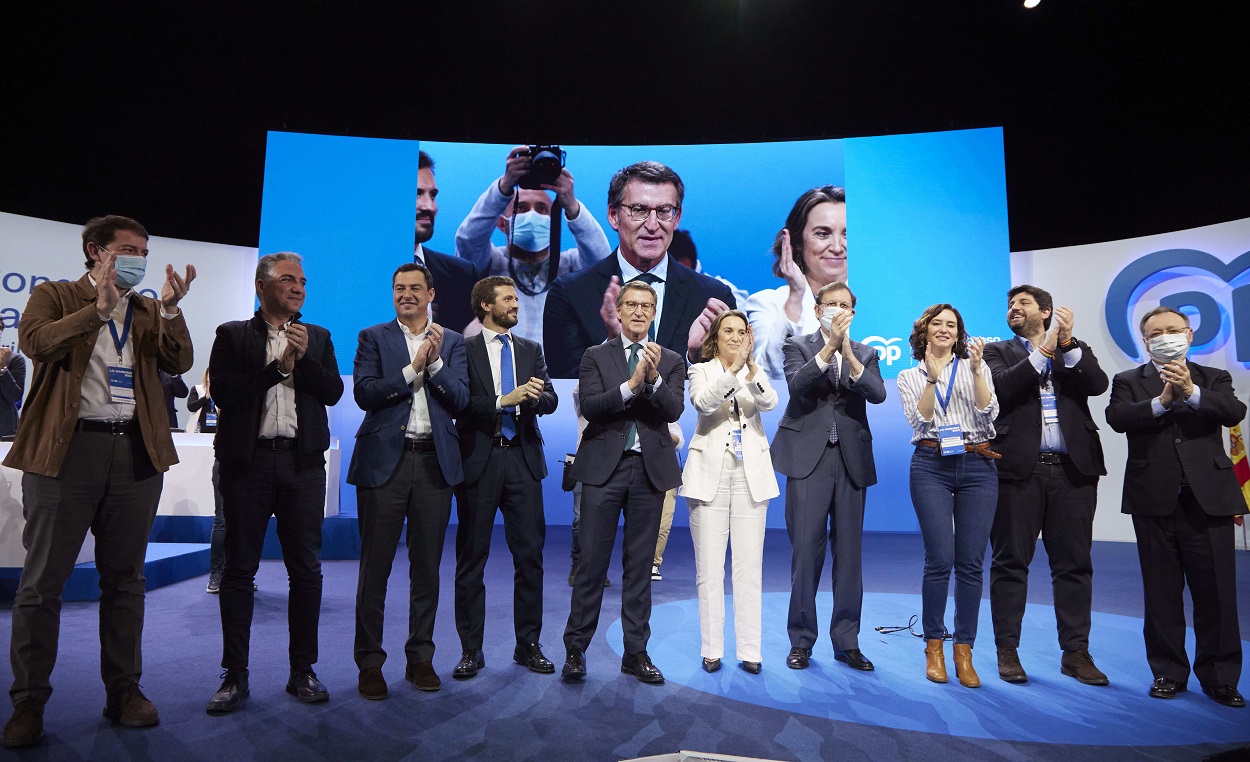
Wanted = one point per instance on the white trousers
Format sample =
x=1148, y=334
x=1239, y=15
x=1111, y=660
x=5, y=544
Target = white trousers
x=730, y=517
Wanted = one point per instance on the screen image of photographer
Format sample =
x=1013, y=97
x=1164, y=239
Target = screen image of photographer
x=808, y=253
x=527, y=204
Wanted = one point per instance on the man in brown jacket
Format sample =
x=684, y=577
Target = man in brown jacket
x=93, y=444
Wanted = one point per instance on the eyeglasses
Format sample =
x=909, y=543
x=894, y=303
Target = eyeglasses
x=635, y=306
x=640, y=213
x=844, y=305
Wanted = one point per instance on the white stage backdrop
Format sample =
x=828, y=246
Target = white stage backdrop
x=1204, y=272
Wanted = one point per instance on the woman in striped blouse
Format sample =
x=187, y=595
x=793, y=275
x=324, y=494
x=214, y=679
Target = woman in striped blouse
x=949, y=401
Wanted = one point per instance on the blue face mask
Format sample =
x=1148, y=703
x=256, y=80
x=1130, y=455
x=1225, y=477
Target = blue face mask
x=130, y=270
x=531, y=231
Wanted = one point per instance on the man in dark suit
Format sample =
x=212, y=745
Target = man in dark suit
x=1180, y=489
x=644, y=207
x=504, y=467
x=273, y=376
x=631, y=389
x=12, y=385
x=410, y=379
x=1047, y=478
x=824, y=447
x=455, y=276
x=173, y=387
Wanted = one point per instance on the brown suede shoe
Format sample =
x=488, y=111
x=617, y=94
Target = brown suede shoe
x=372, y=685
x=422, y=675
x=1009, y=668
x=25, y=727
x=128, y=706
x=1080, y=664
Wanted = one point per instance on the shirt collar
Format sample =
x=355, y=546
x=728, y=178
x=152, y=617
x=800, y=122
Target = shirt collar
x=407, y=332
x=490, y=335
x=629, y=272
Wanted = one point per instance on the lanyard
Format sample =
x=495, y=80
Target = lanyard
x=950, y=386
x=120, y=342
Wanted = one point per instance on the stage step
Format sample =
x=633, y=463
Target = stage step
x=166, y=563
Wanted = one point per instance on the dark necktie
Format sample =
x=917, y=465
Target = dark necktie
x=649, y=279
x=632, y=436
x=507, y=383
x=833, y=422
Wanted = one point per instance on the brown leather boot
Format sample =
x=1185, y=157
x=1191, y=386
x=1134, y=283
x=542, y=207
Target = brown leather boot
x=934, y=661
x=963, y=666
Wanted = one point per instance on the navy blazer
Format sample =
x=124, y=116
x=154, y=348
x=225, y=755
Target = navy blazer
x=571, y=320
x=240, y=377
x=478, y=423
x=1182, y=441
x=604, y=368
x=380, y=391
x=818, y=399
x=453, y=283
x=1018, y=428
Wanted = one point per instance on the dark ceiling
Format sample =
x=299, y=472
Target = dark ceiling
x=1121, y=117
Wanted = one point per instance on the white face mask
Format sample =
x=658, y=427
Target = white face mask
x=1167, y=347
x=827, y=316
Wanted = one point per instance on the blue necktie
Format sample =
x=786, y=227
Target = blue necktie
x=632, y=436
x=649, y=279
x=833, y=422
x=507, y=383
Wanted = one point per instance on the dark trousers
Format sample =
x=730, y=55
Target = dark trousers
x=1058, y=501
x=627, y=491
x=217, y=541
x=107, y=486
x=417, y=492
x=272, y=485
x=1190, y=546
x=508, y=485
x=825, y=509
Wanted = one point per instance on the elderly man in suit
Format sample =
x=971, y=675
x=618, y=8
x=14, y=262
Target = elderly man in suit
x=454, y=275
x=93, y=447
x=273, y=376
x=644, y=207
x=824, y=447
x=502, y=449
x=1180, y=489
x=1047, y=478
x=410, y=379
x=631, y=390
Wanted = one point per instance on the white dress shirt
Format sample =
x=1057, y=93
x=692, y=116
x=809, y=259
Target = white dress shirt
x=419, y=426
x=278, y=419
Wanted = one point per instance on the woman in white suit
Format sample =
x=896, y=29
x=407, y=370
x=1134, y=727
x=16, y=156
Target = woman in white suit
x=727, y=482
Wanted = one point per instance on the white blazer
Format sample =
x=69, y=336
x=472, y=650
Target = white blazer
x=713, y=390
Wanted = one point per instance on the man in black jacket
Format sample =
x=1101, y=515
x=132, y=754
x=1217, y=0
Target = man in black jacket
x=273, y=377
x=1047, y=478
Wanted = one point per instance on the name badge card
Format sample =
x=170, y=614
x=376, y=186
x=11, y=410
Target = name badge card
x=735, y=442
x=951, y=439
x=1050, y=412
x=210, y=420
x=121, y=384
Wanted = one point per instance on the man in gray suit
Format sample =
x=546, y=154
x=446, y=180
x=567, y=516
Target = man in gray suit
x=824, y=447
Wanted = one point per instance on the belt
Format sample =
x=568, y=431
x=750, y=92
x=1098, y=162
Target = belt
x=980, y=448
x=116, y=428
x=277, y=443
x=504, y=442
x=634, y=453
x=1053, y=458
x=418, y=445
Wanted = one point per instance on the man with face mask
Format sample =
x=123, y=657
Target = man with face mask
x=1047, y=478
x=524, y=217
x=1180, y=489
x=94, y=446
x=824, y=446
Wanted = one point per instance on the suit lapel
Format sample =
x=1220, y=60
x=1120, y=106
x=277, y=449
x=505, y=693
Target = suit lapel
x=480, y=359
x=1151, y=382
x=677, y=290
x=617, y=359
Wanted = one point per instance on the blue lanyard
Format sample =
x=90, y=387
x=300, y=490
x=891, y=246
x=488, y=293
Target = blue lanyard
x=120, y=342
x=950, y=386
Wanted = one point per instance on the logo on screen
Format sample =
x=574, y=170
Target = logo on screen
x=1202, y=277
x=888, y=350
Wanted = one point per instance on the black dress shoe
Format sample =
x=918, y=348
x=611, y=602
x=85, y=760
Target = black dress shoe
x=574, y=665
x=422, y=675
x=530, y=656
x=371, y=684
x=852, y=658
x=798, y=658
x=711, y=665
x=1226, y=695
x=753, y=667
x=470, y=662
x=1165, y=688
x=306, y=688
x=639, y=665
x=232, y=693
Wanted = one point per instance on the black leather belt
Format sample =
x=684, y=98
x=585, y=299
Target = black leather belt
x=418, y=445
x=504, y=442
x=1053, y=458
x=116, y=428
x=633, y=452
x=277, y=443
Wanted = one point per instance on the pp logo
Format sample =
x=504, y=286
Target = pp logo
x=887, y=349
x=1161, y=266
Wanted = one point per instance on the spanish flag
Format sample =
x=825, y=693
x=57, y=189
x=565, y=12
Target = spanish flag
x=1237, y=450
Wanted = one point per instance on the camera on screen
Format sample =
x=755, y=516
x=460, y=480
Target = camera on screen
x=545, y=169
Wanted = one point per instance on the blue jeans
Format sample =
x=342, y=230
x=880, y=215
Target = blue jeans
x=955, y=498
